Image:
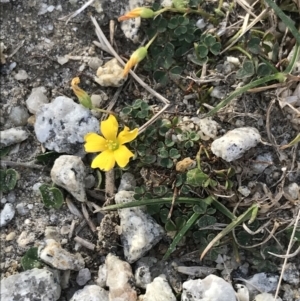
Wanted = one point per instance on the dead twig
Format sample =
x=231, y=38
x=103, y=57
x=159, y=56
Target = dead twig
x=85, y=243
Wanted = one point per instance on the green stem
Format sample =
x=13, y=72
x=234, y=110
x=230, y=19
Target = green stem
x=151, y=41
x=180, y=234
x=281, y=77
x=241, y=50
x=198, y=11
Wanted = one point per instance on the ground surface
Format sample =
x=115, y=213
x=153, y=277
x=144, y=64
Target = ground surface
x=34, y=42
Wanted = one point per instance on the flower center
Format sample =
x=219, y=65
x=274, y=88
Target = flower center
x=112, y=145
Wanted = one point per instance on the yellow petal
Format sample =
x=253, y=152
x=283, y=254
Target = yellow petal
x=105, y=161
x=122, y=155
x=94, y=143
x=127, y=136
x=109, y=128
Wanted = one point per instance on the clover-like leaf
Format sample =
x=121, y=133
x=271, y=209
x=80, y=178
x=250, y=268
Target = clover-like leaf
x=215, y=48
x=263, y=70
x=246, y=71
x=253, y=45
x=4, y=151
x=196, y=177
x=173, y=22
x=200, y=208
x=52, y=197
x=31, y=259
x=161, y=77
x=206, y=220
x=8, y=179
x=209, y=40
x=202, y=51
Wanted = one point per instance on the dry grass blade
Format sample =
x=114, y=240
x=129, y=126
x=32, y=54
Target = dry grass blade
x=287, y=254
x=105, y=44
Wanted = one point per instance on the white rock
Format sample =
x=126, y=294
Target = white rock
x=7, y=214
x=291, y=274
x=12, y=136
x=102, y=275
x=217, y=92
x=140, y=232
x=110, y=75
x=211, y=288
x=55, y=256
x=62, y=125
x=142, y=276
x=83, y=276
x=293, y=191
x=166, y=3
x=160, y=290
x=208, y=128
x=68, y=172
x=242, y=293
x=36, y=99
x=128, y=182
x=201, y=23
x=18, y=116
x=62, y=60
x=95, y=63
x=266, y=297
x=21, y=75
x=119, y=279
x=26, y=238
x=91, y=293
x=98, y=99
x=261, y=162
x=35, y=284
x=262, y=282
x=235, y=143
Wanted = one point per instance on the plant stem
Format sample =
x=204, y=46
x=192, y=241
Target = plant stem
x=281, y=77
x=241, y=50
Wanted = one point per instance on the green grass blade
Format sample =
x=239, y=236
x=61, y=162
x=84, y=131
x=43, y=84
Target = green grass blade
x=246, y=215
x=285, y=19
x=180, y=234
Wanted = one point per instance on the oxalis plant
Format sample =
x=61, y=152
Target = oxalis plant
x=184, y=200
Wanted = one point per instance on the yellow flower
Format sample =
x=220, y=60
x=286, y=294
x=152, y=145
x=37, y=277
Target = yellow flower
x=82, y=96
x=135, y=58
x=142, y=12
x=111, y=146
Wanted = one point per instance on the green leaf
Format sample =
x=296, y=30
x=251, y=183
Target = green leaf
x=168, y=62
x=206, y=220
x=196, y=177
x=4, y=151
x=174, y=153
x=215, y=48
x=161, y=77
x=173, y=23
x=180, y=221
x=48, y=157
x=8, y=179
x=180, y=30
x=253, y=45
x=247, y=70
x=176, y=70
x=169, y=49
x=164, y=212
x=163, y=153
x=160, y=190
x=31, y=259
x=166, y=162
x=149, y=159
x=137, y=104
x=209, y=40
x=200, y=208
x=170, y=226
x=52, y=197
x=126, y=110
x=202, y=51
x=263, y=70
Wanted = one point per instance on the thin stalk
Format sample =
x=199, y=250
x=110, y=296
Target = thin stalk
x=180, y=234
x=294, y=59
x=161, y=201
x=241, y=50
x=281, y=77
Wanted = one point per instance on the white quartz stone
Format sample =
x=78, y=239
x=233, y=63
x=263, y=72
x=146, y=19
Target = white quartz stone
x=212, y=288
x=140, y=232
x=7, y=214
x=90, y=293
x=68, y=172
x=160, y=290
x=235, y=143
x=12, y=136
x=36, y=99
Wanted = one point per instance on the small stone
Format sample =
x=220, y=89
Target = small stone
x=261, y=162
x=212, y=288
x=102, y=275
x=34, y=284
x=62, y=124
x=244, y=190
x=7, y=214
x=142, y=276
x=55, y=256
x=291, y=274
x=217, y=92
x=62, y=60
x=68, y=172
x=266, y=297
x=235, y=143
x=21, y=75
x=201, y=23
x=89, y=181
x=25, y=239
x=262, y=282
x=36, y=99
x=91, y=293
x=160, y=290
x=293, y=191
x=18, y=116
x=110, y=75
x=140, y=232
x=83, y=276
x=185, y=165
x=208, y=128
x=12, y=136
x=120, y=279
x=21, y=209
x=95, y=63
x=128, y=182
x=10, y=236
x=98, y=99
